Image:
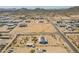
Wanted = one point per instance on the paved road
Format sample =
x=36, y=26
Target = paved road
x=7, y=46
x=71, y=32
x=34, y=33
x=72, y=46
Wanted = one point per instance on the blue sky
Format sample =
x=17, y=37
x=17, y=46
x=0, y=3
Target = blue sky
x=33, y=7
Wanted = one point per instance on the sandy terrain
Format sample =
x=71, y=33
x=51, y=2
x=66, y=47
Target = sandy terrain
x=34, y=27
x=4, y=29
x=54, y=45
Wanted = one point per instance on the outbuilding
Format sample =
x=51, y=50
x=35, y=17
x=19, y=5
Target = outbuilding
x=43, y=40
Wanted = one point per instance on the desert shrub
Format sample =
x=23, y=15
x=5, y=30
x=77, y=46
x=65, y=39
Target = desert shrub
x=32, y=51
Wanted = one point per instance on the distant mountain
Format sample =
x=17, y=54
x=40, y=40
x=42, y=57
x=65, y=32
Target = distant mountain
x=76, y=8
x=7, y=10
x=73, y=10
x=69, y=11
x=26, y=11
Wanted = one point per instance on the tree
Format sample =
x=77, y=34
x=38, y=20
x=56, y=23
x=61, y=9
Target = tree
x=32, y=51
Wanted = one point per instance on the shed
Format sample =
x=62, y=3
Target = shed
x=29, y=44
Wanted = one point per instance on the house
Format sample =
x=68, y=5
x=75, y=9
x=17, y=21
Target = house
x=77, y=24
x=70, y=27
x=29, y=44
x=4, y=42
x=77, y=43
x=41, y=21
x=10, y=24
x=27, y=21
x=23, y=24
x=1, y=47
x=43, y=40
x=41, y=50
x=5, y=37
x=11, y=27
x=61, y=24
